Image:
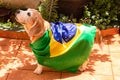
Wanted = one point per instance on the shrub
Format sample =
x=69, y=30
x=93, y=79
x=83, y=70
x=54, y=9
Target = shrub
x=48, y=10
x=101, y=13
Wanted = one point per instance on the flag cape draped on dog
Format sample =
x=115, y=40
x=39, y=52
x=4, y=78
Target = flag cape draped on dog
x=65, y=46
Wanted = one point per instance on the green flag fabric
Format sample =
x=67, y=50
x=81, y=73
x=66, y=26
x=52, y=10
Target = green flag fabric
x=65, y=46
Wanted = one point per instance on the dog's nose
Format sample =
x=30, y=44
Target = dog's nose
x=18, y=11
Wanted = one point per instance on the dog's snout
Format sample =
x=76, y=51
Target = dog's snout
x=18, y=11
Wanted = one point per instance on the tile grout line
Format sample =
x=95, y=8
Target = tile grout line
x=111, y=61
x=18, y=48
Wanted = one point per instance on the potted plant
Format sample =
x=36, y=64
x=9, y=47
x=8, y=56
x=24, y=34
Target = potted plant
x=11, y=30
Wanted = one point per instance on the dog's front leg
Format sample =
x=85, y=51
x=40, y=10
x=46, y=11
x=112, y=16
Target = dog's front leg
x=38, y=70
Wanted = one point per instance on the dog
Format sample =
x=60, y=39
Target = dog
x=60, y=46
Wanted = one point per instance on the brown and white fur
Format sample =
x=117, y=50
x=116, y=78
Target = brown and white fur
x=36, y=26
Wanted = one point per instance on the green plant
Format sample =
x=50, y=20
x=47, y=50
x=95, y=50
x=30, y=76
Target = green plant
x=101, y=13
x=11, y=26
x=7, y=24
x=48, y=10
x=64, y=18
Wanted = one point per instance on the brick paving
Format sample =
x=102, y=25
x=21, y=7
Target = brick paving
x=17, y=62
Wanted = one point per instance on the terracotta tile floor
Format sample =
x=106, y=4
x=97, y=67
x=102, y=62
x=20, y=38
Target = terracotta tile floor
x=17, y=62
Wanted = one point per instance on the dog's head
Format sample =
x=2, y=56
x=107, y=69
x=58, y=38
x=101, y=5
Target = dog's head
x=32, y=21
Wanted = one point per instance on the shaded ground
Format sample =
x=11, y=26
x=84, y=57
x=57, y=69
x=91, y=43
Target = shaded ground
x=17, y=62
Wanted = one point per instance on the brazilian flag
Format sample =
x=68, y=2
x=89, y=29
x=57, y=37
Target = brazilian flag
x=65, y=46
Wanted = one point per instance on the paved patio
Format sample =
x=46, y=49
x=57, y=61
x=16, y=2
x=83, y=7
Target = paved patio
x=17, y=62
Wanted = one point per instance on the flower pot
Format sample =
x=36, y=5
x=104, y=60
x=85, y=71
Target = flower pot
x=19, y=3
x=13, y=34
x=108, y=32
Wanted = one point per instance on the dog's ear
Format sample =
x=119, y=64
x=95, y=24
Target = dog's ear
x=37, y=27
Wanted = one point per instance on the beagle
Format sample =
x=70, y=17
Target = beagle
x=60, y=46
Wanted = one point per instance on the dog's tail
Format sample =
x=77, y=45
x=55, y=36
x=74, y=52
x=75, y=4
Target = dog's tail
x=99, y=39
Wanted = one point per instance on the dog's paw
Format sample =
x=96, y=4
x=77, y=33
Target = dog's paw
x=38, y=70
x=82, y=69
